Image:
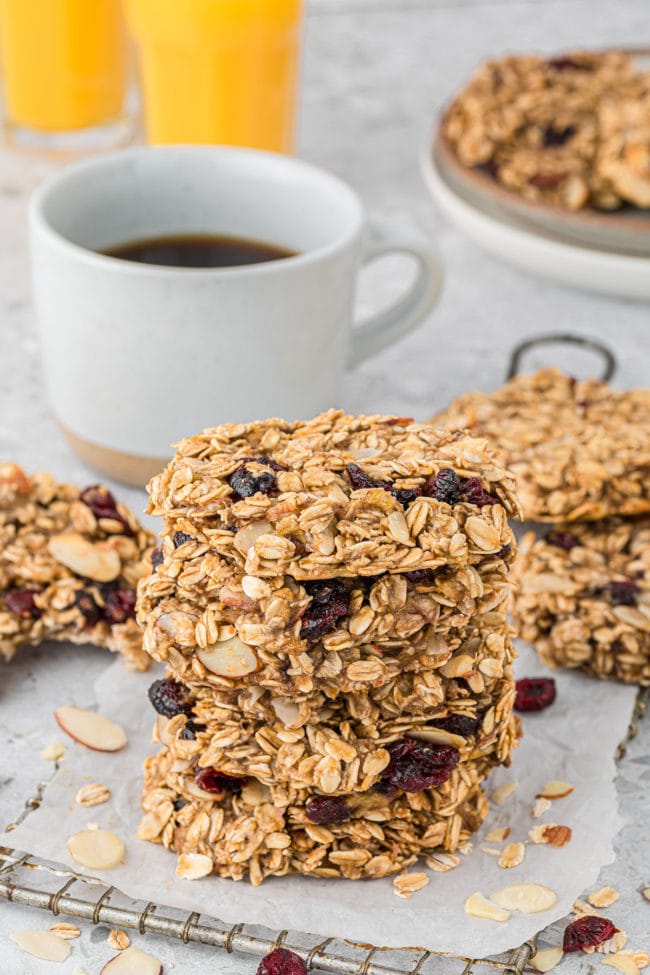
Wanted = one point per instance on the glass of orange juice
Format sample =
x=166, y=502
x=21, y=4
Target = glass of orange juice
x=64, y=66
x=219, y=71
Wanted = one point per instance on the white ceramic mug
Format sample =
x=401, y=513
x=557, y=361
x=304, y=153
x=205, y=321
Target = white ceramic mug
x=137, y=356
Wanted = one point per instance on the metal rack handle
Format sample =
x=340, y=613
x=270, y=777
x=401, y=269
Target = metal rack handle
x=610, y=363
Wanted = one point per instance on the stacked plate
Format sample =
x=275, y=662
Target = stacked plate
x=604, y=252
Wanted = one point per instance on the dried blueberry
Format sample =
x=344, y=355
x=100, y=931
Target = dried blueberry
x=180, y=538
x=444, y=486
x=245, y=484
x=169, y=697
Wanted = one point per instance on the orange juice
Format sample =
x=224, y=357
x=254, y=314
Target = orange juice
x=219, y=71
x=64, y=62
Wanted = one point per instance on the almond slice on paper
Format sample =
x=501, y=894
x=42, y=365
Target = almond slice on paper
x=555, y=790
x=503, y=792
x=479, y=906
x=193, y=866
x=41, y=944
x=546, y=959
x=552, y=834
x=93, y=730
x=98, y=849
x=525, y=897
x=97, y=562
x=624, y=962
x=231, y=658
x=132, y=961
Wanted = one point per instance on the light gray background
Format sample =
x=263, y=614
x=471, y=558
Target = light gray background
x=376, y=72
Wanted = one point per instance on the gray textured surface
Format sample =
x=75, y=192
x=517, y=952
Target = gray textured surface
x=375, y=73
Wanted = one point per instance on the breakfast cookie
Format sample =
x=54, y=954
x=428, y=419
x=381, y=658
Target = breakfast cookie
x=70, y=561
x=583, y=598
x=237, y=828
x=580, y=450
x=565, y=130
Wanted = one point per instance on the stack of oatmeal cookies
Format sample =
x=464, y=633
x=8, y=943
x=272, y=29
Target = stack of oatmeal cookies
x=581, y=453
x=330, y=601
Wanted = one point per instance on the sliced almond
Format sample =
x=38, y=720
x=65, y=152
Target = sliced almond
x=546, y=959
x=503, y=792
x=555, y=790
x=512, y=855
x=193, y=866
x=479, y=906
x=499, y=835
x=132, y=962
x=286, y=710
x=529, y=898
x=118, y=939
x=53, y=752
x=66, y=931
x=93, y=794
x=247, y=536
x=98, y=849
x=551, y=834
x=603, y=897
x=231, y=658
x=41, y=944
x=255, y=793
x=97, y=562
x=93, y=730
x=624, y=962
x=541, y=806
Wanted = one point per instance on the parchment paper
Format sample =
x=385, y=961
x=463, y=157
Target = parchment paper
x=575, y=740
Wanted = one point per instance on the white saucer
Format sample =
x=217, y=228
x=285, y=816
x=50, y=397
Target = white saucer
x=534, y=248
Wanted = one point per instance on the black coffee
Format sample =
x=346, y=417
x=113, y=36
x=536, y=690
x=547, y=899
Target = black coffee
x=199, y=250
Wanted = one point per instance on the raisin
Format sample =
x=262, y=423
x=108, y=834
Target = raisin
x=88, y=608
x=180, y=538
x=169, y=697
x=588, y=932
x=119, y=606
x=211, y=780
x=329, y=604
x=245, y=484
x=324, y=810
x=281, y=961
x=564, y=540
x=21, y=603
x=444, y=486
x=534, y=693
x=156, y=558
x=103, y=505
x=416, y=765
x=420, y=577
x=458, y=724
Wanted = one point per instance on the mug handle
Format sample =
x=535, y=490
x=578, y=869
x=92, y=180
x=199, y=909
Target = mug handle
x=375, y=332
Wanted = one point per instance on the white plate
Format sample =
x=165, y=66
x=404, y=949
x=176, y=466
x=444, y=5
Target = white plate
x=535, y=249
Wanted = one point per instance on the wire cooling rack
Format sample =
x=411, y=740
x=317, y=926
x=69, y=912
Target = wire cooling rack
x=27, y=880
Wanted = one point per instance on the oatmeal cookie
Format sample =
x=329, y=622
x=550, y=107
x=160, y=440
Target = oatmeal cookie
x=556, y=130
x=580, y=450
x=583, y=598
x=70, y=561
x=337, y=496
x=336, y=744
x=243, y=832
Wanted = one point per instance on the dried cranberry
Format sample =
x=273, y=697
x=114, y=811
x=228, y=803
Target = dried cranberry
x=444, y=486
x=329, y=604
x=534, y=693
x=88, y=608
x=421, y=577
x=211, y=780
x=416, y=765
x=557, y=137
x=169, y=697
x=324, y=810
x=180, y=538
x=103, y=505
x=564, y=540
x=120, y=606
x=564, y=63
x=281, y=961
x=458, y=724
x=21, y=603
x=156, y=558
x=475, y=493
x=588, y=932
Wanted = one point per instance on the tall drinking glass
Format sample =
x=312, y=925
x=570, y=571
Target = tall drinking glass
x=219, y=71
x=65, y=73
